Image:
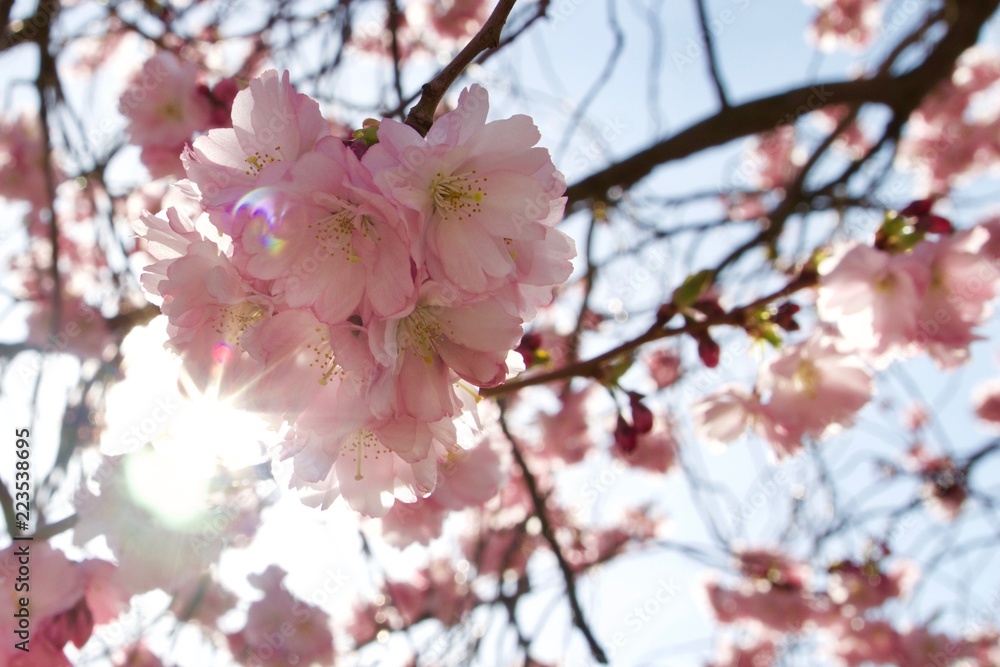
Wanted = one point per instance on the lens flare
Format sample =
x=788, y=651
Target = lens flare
x=266, y=203
x=174, y=489
x=222, y=353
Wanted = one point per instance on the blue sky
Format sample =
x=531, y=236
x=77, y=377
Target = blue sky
x=762, y=50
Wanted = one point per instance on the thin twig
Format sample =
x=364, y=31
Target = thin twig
x=901, y=94
x=397, y=79
x=594, y=367
x=421, y=116
x=713, y=65
x=567, y=572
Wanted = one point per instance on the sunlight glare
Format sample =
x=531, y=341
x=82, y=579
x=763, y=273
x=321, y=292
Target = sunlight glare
x=194, y=439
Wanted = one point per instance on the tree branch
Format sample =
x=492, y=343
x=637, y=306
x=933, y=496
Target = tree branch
x=421, y=116
x=901, y=93
x=567, y=572
x=713, y=65
x=595, y=367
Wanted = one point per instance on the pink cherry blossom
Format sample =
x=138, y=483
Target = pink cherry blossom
x=458, y=18
x=959, y=297
x=539, y=265
x=944, y=487
x=986, y=402
x=865, y=642
x=655, y=451
x=915, y=417
x=418, y=522
x=991, y=248
x=210, y=308
x=329, y=288
x=813, y=387
x=927, y=300
x=65, y=604
x=665, y=367
x=849, y=24
x=82, y=331
x=565, y=434
x=165, y=107
x=496, y=550
x=272, y=127
x=770, y=161
x=299, y=366
x=744, y=205
x=872, y=297
x=773, y=566
x=340, y=449
x=367, y=619
x=920, y=644
x=852, y=139
x=441, y=337
x=777, y=608
x=469, y=477
x=594, y=547
x=376, y=39
x=725, y=415
x=167, y=236
x=481, y=187
x=762, y=652
x=22, y=161
x=346, y=246
x=859, y=587
x=945, y=141
x=303, y=629
x=436, y=591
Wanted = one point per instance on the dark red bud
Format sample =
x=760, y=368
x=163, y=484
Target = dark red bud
x=784, y=317
x=642, y=417
x=709, y=306
x=934, y=224
x=918, y=208
x=357, y=146
x=626, y=436
x=530, y=344
x=708, y=350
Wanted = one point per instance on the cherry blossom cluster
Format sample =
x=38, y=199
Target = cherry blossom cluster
x=775, y=594
x=848, y=24
x=954, y=132
x=920, y=287
x=63, y=609
x=425, y=27
x=23, y=160
x=808, y=390
x=361, y=290
x=906, y=294
x=166, y=103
